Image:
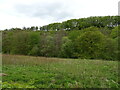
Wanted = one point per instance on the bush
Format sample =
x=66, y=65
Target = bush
x=34, y=51
x=110, y=49
x=114, y=33
x=47, y=46
x=67, y=48
x=89, y=44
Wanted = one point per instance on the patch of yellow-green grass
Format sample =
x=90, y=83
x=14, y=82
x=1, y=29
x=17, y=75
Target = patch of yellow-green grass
x=42, y=72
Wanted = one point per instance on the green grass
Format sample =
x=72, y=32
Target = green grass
x=41, y=72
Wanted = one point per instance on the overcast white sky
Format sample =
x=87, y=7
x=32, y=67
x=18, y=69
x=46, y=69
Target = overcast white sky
x=20, y=13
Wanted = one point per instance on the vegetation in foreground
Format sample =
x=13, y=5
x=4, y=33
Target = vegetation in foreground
x=41, y=72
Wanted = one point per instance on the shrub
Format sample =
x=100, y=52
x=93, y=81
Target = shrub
x=34, y=51
x=89, y=44
x=67, y=48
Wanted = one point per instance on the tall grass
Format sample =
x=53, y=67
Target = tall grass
x=42, y=72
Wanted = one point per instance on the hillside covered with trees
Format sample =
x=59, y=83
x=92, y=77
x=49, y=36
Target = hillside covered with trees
x=87, y=38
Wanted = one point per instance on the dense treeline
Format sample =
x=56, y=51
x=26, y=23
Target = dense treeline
x=77, y=24
x=90, y=38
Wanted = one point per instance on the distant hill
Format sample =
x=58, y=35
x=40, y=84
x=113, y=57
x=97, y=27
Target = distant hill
x=78, y=24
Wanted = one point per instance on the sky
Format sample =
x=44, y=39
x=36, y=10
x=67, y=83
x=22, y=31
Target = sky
x=27, y=13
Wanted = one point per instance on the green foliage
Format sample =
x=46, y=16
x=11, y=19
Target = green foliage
x=93, y=37
x=15, y=85
x=110, y=49
x=6, y=41
x=72, y=35
x=115, y=32
x=58, y=42
x=106, y=31
x=34, y=51
x=92, y=28
x=85, y=38
x=47, y=46
x=19, y=45
x=89, y=44
x=67, y=48
x=39, y=72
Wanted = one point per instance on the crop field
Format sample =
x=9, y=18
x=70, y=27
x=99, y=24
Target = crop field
x=41, y=72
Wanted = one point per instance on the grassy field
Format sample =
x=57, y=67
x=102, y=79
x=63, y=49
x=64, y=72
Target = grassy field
x=41, y=72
